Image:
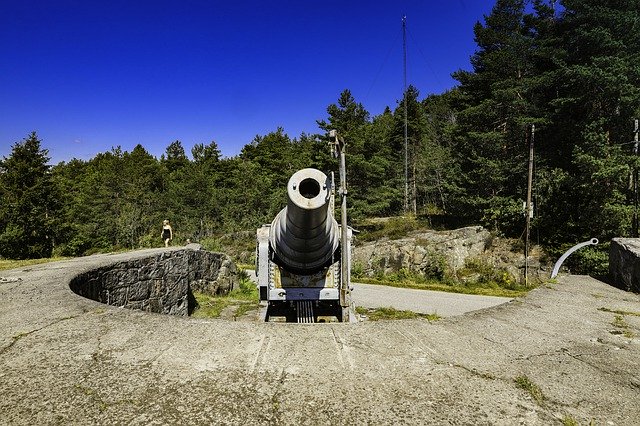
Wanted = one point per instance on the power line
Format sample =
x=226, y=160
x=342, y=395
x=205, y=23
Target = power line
x=384, y=62
x=424, y=58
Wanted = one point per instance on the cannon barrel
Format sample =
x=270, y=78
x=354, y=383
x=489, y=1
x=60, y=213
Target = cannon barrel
x=304, y=235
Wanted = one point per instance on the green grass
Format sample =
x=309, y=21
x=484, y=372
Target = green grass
x=622, y=327
x=245, y=266
x=13, y=264
x=619, y=312
x=618, y=321
x=569, y=421
x=524, y=383
x=621, y=324
x=378, y=314
x=485, y=289
x=244, y=299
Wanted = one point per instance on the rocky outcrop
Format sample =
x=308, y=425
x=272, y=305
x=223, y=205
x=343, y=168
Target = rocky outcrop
x=428, y=252
x=467, y=254
x=624, y=263
x=162, y=283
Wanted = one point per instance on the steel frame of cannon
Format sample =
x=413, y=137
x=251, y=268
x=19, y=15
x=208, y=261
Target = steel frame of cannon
x=303, y=259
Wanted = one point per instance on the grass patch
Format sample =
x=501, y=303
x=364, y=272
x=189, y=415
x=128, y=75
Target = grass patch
x=619, y=312
x=245, y=266
x=619, y=322
x=13, y=264
x=524, y=383
x=622, y=327
x=244, y=299
x=378, y=314
x=569, y=421
x=485, y=289
x=209, y=306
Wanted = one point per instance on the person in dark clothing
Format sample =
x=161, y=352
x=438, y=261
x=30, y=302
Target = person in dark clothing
x=167, y=233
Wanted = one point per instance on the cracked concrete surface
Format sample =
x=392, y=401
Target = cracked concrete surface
x=69, y=360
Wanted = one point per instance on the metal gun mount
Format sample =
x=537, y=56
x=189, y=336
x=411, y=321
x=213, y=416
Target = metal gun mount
x=301, y=255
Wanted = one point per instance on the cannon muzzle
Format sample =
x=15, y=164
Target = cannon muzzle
x=304, y=235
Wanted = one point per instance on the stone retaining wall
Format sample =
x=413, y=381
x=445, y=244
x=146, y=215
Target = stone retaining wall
x=161, y=283
x=624, y=263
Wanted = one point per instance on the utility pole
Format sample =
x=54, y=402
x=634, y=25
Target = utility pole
x=634, y=231
x=528, y=208
x=406, y=149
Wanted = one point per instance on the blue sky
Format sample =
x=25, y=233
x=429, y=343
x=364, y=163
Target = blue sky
x=91, y=75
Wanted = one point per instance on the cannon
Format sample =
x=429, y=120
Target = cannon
x=303, y=256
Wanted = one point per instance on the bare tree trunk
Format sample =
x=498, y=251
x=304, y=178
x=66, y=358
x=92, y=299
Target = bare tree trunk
x=439, y=184
x=414, y=187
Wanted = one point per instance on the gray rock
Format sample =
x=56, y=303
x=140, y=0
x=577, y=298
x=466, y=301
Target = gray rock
x=447, y=253
x=162, y=283
x=423, y=252
x=624, y=263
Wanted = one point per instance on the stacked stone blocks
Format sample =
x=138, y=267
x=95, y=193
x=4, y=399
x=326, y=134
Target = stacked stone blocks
x=162, y=283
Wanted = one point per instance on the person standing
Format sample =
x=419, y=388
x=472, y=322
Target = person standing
x=167, y=232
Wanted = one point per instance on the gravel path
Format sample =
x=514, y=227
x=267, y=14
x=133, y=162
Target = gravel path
x=421, y=301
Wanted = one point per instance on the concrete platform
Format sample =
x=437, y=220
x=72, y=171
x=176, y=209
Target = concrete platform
x=69, y=360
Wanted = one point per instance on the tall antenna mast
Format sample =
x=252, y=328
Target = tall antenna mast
x=406, y=150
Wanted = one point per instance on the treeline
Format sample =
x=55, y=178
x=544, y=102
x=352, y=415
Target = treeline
x=571, y=68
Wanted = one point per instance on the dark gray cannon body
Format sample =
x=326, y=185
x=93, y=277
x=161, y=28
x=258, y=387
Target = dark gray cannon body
x=298, y=259
x=304, y=235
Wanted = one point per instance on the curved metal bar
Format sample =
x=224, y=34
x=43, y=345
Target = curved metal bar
x=556, y=268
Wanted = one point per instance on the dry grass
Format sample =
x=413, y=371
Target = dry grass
x=14, y=264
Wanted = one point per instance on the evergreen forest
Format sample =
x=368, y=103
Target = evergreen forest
x=571, y=68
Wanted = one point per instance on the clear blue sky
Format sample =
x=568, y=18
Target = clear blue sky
x=88, y=75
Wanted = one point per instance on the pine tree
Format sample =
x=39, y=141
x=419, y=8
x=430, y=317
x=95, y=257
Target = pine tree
x=175, y=156
x=416, y=126
x=371, y=172
x=597, y=95
x=437, y=169
x=496, y=106
x=29, y=202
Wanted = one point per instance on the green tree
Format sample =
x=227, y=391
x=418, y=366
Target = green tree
x=437, y=170
x=597, y=95
x=141, y=209
x=274, y=154
x=29, y=202
x=74, y=231
x=248, y=197
x=416, y=128
x=380, y=191
x=174, y=157
x=368, y=154
x=203, y=187
x=206, y=153
x=496, y=106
